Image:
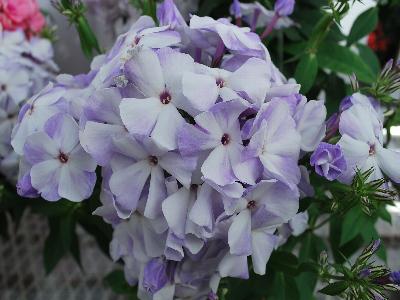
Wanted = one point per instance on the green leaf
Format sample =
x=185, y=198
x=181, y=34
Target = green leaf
x=285, y=287
x=384, y=214
x=341, y=59
x=335, y=288
x=54, y=246
x=364, y=24
x=284, y=261
x=306, y=71
x=370, y=58
x=116, y=281
x=310, y=250
x=355, y=222
x=61, y=240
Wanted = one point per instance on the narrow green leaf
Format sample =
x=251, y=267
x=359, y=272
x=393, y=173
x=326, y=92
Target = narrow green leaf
x=341, y=59
x=335, y=288
x=364, y=24
x=306, y=72
x=54, y=247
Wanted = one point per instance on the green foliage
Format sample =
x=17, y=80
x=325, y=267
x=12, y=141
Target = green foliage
x=306, y=71
x=116, y=281
x=362, y=279
x=335, y=288
x=364, y=24
x=342, y=59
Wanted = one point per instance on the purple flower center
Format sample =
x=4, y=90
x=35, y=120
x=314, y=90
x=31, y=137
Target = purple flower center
x=63, y=158
x=153, y=160
x=220, y=82
x=3, y=87
x=165, y=97
x=137, y=40
x=372, y=150
x=225, y=140
x=251, y=204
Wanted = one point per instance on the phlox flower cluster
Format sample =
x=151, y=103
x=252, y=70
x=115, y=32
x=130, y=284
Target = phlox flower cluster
x=26, y=66
x=198, y=138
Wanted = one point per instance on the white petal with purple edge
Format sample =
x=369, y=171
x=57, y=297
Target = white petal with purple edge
x=140, y=115
x=63, y=130
x=389, y=161
x=178, y=167
x=239, y=234
x=127, y=185
x=144, y=71
x=201, y=90
x=175, y=209
x=39, y=147
x=263, y=243
x=201, y=212
x=157, y=193
x=45, y=177
x=168, y=123
x=217, y=167
x=234, y=266
x=75, y=184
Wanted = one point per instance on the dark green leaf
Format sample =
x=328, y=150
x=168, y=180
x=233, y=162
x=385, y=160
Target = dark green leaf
x=285, y=287
x=364, y=24
x=370, y=58
x=355, y=222
x=335, y=288
x=306, y=71
x=384, y=214
x=60, y=241
x=284, y=261
x=3, y=226
x=342, y=60
x=116, y=281
x=54, y=247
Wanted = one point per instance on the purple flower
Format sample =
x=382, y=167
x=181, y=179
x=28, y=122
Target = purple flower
x=238, y=40
x=284, y=7
x=219, y=132
x=60, y=167
x=168, y=14
x=157, y=78
x=257, y=16
x=155, y=275
x=249, y=81
x=34, y=114
x=102, y=124
x=275, y=144
x=395, y=277
x=144, y=160
x=364, y=273
x=264, y=207
x=235, y=9
x=361, y=143
x=328, y=161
